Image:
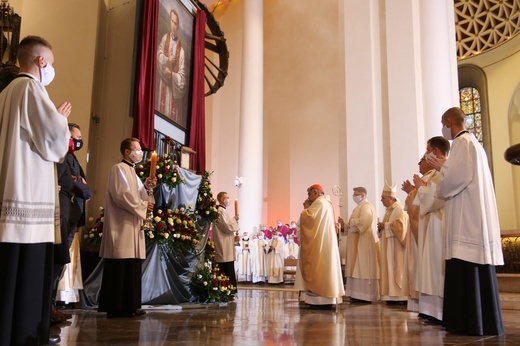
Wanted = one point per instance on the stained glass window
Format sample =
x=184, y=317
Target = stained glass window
x=470, y=105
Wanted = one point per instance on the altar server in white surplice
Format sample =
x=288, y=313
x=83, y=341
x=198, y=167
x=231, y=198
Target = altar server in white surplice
x=259, y=258
x=34, y=136
x=123, y=244
x=362, y=265
x=430, y=274
x=275, y=257
x=473, y=244
x=393, y=232
x=244, y=258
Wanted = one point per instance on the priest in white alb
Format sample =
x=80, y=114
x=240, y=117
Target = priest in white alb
x=275, y=257
x=430, y=275
x=259, y=259
x=362, y=265
x=393, y=232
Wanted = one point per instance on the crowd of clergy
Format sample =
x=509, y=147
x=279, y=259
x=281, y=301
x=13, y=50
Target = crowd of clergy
x=435, y=253
x=260, y=258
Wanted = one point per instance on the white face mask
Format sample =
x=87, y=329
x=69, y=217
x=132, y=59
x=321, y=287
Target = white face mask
x=357, y=198
x=430, y=156
x=446, y=132
x=293, y=225
x=47, y=74
x=227, y=202
x=291, y=240
x=136, y=156
x=260, y=237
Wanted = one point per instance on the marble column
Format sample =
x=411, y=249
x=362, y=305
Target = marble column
x=439, y=62
x=250, y=164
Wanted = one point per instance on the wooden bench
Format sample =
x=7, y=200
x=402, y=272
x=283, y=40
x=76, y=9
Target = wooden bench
x=289, y=267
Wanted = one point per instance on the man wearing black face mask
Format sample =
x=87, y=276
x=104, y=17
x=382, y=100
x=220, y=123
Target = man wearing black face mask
x=82, y=192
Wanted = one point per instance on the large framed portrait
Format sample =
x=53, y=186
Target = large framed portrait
x=174, y=62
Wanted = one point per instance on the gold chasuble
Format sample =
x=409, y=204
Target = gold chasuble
x=319, y=259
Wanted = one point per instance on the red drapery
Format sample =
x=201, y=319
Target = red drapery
x=144, y=108
x=198, y=125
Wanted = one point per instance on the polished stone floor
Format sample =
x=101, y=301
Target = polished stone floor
x=270, y=316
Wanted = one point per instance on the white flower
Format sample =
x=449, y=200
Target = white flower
x=222, y=289
x=91, y=219
x=170, y=221
x=157, y=167
x=177, y=235
x=166, y=235
x=207, y=212
x=205, y=283
x=100, y=234
x=91, y=235
x=140, y=166
x=174, y=179
x=185, y=223
x=205, y=194
x=182, y=209
x=102, y=219
x=159, y=211
x=228, y=292
x=168, y=166
x=85, y=236
x=183, y=237
x=169, y=211
x=199, y=276
x=215, y=288
x=101, y=209
x=159, y=176
x=157, y=219
x=141, y=173
x=190, y=206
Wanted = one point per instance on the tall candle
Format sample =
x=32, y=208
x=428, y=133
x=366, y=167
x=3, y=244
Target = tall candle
x=236, y=206
x=153, y=164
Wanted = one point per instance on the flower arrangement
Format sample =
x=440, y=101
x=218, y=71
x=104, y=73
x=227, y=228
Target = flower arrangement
x=209, y=251
x=176, y=229
x=95, y=232
x=167, y=172
x=209, y=285
x=206, y=206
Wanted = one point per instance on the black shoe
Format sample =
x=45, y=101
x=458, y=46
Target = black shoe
x=321, y=307
x=139, y=312
x=433, y=320
x=359, y=301
x=53, y=340
x=119, y=314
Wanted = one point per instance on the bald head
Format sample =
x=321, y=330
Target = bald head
x=456, y=115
